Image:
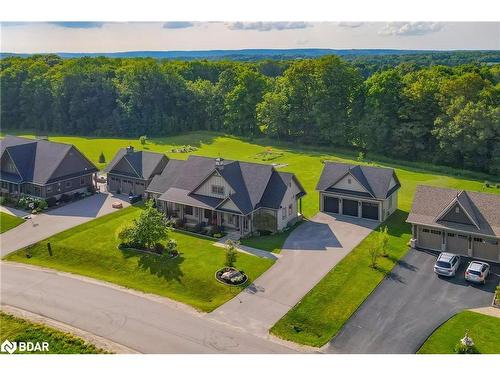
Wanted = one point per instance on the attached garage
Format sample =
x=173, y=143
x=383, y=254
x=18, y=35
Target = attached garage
x=349, y=207
x=370, y=210
x=457, y=243
x=467, y=221
x=429, y=238
x=486, y=249
x=331, y=204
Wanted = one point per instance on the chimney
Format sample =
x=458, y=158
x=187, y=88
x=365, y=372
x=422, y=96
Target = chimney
x=219, y=163
x=130, y=149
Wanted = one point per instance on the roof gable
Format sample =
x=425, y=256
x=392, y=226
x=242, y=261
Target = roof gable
x=350, y=182
x=375, y=180
x=74, y=161
x=430, y=203
x=460, y=211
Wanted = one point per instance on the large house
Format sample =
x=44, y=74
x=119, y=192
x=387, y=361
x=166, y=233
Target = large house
x=240, y=196
x=457, y=221
x=131, y=172
x=42, y=168
x=359, y=191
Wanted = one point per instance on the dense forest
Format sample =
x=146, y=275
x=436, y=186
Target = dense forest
x=441, y=114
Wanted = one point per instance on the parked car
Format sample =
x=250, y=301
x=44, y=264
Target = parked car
x=447, y=264
x=134, y=198
x=477, y=272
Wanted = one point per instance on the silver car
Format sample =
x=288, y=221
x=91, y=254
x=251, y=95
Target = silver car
x=447, y=264
x=477, y=272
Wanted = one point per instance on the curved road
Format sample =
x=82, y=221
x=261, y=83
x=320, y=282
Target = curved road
x=141, y=322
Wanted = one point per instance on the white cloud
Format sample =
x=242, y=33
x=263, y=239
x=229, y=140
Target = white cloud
x=351, y=25
x=410, y=28
x=178, y=25
x=268, y=26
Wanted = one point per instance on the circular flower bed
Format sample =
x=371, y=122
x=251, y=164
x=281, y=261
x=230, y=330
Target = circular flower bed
x=231, y=276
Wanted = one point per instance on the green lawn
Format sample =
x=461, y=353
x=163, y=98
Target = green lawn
x=16, y=329
x=8, y=222
x=273, y=243
x=91, y=249
x=483, y=329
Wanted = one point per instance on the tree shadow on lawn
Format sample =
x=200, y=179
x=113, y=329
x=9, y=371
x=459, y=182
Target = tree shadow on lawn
x=165, y=268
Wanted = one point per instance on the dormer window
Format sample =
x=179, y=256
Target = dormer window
x=217, y=189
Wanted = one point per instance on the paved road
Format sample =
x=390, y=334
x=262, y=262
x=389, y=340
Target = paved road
x=308, y=254
x=57, y=220
x=408, y=306
x=145, y=324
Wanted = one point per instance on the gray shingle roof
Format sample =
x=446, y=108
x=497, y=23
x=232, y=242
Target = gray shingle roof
x=146, y=164
x=429, y=203
x=37, y=160
x=255, y=185
x=376, y=180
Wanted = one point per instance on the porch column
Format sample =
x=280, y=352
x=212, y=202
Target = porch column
x=359, y=208
x=219, y=218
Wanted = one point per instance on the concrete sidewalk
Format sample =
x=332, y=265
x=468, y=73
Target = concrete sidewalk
x=309, y=252
x=54, y=221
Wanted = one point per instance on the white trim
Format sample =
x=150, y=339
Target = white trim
x=454, y=230
x=349, y=172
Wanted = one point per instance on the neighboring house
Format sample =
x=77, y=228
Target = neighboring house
x=359, y=191
x=240, y=196
x=132, y=171
x=42, y=168
x=457, y=221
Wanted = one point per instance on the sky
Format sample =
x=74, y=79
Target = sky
x=44, y=37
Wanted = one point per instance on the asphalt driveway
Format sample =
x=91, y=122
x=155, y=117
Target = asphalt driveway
x=57, y=220
x=408, y=306
x=309, y=252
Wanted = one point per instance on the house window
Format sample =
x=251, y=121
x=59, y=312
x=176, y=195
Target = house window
x=245, y=223
x=425, y=230
x=438, y=232
x=82, y=180
x=348, y=180
x=188, y=210
x=451, y=234
x=208, y=214
x=68, y=184
x=477, y=239
x=217, y=189
x=4, y=185
x=196, y=211
x=390, y=202
x=457, y=210
x=49, y=189
x=462, y=236
x=290, y=210
x=283, y=212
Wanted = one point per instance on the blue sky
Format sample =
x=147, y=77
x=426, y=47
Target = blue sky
x=184, y=35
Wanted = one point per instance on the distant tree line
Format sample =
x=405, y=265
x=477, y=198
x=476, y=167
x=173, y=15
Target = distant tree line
x=439, y=114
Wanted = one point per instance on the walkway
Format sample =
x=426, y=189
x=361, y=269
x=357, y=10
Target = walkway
x=309, y=252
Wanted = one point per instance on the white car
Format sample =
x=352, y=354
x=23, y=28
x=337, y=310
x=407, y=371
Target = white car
x=447, y=264
x=477, y=272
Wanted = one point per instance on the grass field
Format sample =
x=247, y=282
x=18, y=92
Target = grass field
x=484, y=331
x=16, y=329
x=91, y=249
x=319, y=316
x=8, y=222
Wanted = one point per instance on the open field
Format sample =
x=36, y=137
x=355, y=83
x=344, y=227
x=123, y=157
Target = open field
x=91, y=249
x=8, y=222
x=16, y=329
x=483, y=329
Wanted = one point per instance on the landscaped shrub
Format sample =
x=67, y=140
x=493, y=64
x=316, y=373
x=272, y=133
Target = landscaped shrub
x=231, y=253
x=102, y=158
x=177, y=222
x=42, y=204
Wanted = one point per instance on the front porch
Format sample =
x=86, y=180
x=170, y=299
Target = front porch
x=192, y=217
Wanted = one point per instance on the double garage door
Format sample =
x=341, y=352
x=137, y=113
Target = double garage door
x=350, y=207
